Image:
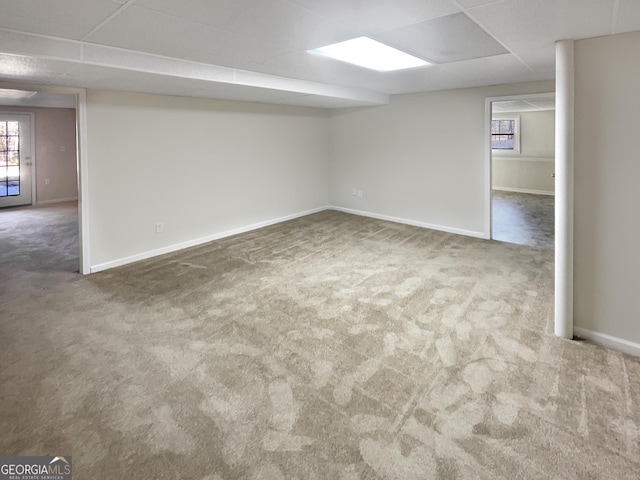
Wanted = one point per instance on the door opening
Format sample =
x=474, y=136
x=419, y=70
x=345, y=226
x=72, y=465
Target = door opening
x=16, y=164
x=39, y=173
x=522, y=183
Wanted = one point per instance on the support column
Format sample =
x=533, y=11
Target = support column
x=564, y=189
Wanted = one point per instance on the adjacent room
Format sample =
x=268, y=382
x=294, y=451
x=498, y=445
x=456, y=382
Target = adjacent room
x=239, y=250
x=523, y=171
x=38, y=179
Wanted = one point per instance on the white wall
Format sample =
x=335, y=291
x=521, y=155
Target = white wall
x=421, y=158
x=55, y=155
x=532, y=169
x=202, y=167
x=607, y=197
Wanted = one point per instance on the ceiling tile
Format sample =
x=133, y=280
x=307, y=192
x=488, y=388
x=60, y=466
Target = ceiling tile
x=324, y=70
x=32, y=70
x=509, y=106
x=543, y=103
x=98, y=77
x=15, y=97
x=526, y=24
x=443, y=40
x=42, y=99
x=372, y=16
x=274, y=21
x=154, y=32
x=307, y=87
x=316, y=68
x=628, y=19
x=497, y=70
x=182, y=47
x=39, y=46
x=432, y=78
x=528, y=105
x=52, y=100
x=321, y=69
x=62, y=18
x=541, y=60
x=238, y=92
x=103, y=56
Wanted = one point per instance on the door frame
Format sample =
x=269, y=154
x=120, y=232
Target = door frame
x=82, y=162
x=488, y=206
x=32, y=148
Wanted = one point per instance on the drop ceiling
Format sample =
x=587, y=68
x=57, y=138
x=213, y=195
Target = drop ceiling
x=536, y=103
x=256, y=50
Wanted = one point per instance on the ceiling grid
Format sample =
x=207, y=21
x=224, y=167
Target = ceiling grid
x=256, y=50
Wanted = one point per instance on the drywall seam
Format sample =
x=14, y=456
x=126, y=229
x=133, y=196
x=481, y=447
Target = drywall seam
x=199, y=241
x=608, y=341
x=406, y=221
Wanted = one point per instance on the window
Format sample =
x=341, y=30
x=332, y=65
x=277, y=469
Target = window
x=505, y=135
x=9, y=158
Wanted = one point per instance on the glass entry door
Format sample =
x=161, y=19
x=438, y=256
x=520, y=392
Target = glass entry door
x=15, y=160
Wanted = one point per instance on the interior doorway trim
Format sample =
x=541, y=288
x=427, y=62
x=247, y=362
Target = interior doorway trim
x=82, y=161
x=489, y=101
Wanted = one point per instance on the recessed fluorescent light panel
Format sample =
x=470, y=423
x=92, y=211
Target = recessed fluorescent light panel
x=368, y=53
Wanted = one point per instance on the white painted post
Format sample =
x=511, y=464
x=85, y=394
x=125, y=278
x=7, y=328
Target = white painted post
x=564, y=189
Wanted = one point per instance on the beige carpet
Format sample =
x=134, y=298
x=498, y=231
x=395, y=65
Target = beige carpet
x=329, y=347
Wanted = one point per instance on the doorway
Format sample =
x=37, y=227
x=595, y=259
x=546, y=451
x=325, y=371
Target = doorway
x=16, y=165
x=41, y=175
x=522, y=163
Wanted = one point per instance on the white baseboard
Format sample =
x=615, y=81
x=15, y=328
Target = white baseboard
x=524, y=190
x=406, y=221
x=57, y=200
x=216, y=236
x=605, y=340
x=198, y=241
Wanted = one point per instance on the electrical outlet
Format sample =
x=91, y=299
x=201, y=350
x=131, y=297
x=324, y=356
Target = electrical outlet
x=354, y=192
x=360, y=194
x=159, y=227
x=47, y=181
